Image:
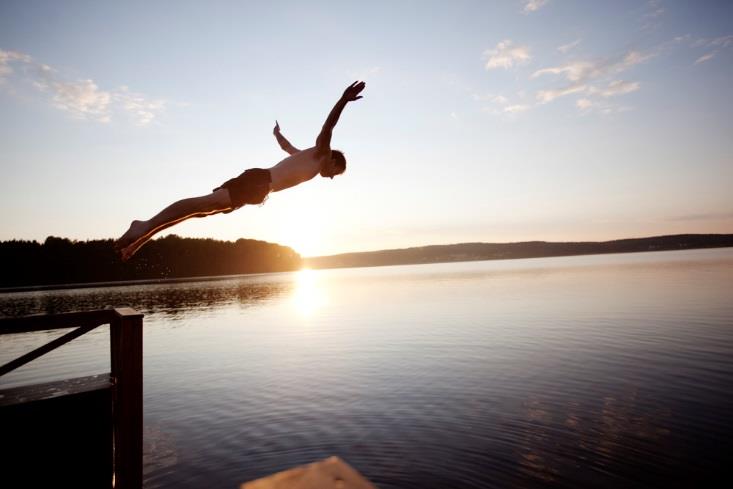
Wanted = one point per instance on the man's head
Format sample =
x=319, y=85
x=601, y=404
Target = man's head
x=336, y=166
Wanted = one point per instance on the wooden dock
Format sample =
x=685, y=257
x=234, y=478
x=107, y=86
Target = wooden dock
x=83, y=432
x=331, y=473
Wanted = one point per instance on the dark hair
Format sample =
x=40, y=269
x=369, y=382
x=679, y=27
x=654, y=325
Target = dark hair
x=339, y=161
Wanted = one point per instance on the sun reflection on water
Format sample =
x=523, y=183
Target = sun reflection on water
x=309, y=295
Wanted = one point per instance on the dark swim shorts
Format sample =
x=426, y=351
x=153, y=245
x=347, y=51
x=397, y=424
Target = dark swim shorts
x=251, y=187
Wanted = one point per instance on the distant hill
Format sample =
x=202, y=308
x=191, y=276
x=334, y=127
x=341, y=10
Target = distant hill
x=62, y=261
x=527, y=249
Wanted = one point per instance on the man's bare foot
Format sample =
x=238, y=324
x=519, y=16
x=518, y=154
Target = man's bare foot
x=132, y=240
x=129, y=250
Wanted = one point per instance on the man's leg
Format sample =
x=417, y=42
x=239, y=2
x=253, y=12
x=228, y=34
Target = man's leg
x=141, y=231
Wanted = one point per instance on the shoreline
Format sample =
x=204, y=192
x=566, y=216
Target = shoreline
x=215, y=278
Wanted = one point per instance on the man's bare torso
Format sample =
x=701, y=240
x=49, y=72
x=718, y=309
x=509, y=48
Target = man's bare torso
x=295, y=169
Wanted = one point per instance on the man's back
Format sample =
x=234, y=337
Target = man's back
x=296, y=168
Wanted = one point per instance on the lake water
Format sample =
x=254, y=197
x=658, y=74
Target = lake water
x=590, y=371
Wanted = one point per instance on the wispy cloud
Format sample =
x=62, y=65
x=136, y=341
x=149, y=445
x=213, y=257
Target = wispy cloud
x=533, y=5
x=494, y=99
x=567, y=47
x=573, y=71
x=717, y=44
x=584, y=103
x=722, y=41
x=499, y=104
x=614, y=88
x=514, y=109
x=579, y=71
x=505, y=55
x=584, y=75
x=652, y=15
x=655, y=8
x=82, y=99
x=8, y=57
x=705, y=57
x=545, y=96
x=594, y=80
x=144, y=110
x=617, y=87
x=596, y=84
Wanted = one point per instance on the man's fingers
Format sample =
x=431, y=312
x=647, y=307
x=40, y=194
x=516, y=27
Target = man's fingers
x=353, y=90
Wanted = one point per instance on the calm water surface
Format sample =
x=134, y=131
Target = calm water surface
x=592, y=371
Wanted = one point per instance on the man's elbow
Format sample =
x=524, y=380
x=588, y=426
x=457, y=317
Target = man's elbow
x=323, y=141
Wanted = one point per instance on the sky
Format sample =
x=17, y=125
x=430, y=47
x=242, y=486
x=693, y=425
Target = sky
x=495, y=121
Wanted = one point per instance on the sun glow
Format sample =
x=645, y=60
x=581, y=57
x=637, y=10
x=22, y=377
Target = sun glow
x=304, y=235
x=309, y=295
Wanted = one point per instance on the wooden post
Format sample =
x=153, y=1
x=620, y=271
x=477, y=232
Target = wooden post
x=126, y=343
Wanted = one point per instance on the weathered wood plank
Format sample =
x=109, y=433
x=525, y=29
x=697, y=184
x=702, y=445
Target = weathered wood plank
x=126, y=349
x=331, y=473
x=49, y=390
x=42, y=322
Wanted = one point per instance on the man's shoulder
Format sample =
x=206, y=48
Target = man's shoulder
x=297, y=161
x=309, y=154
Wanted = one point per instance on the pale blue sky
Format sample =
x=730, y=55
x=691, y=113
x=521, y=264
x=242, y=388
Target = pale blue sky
x=481, y=121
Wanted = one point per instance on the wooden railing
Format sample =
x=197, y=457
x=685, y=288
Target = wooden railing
x=125, y=380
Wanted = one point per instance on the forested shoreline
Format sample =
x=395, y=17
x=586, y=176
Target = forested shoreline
x=62, y=261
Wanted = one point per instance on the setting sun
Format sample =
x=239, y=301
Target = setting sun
x=305, y=236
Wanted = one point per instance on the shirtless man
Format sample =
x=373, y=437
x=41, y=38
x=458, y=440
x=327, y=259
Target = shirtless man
x=252, y=186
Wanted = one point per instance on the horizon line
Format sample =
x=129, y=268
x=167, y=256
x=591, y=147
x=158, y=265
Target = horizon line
x=389, y=249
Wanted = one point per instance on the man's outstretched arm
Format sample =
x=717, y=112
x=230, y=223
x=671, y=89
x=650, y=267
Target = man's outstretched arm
x=323, y=143
x=284, y=143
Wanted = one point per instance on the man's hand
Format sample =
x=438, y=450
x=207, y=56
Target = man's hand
x=352, y=91
x=283, y=142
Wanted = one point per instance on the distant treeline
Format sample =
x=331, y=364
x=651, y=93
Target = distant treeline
x=62, y=261
x=529, y=249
